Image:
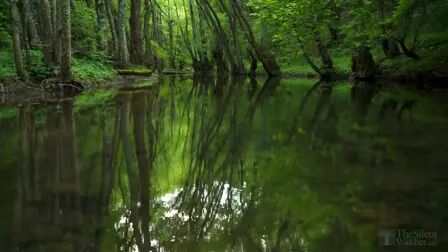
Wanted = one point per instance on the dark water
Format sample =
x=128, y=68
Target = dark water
x=226, y=166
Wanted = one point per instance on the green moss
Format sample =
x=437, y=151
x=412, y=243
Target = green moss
x=135, y=70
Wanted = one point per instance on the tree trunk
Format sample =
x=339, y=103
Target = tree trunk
x=15, y=29
x=101, y=20
x=218, y=56
x=212, y=16
x=112, y=27
x=390, y=47
x=135, y=24
x=47, y=33
x=253, y=64
x=30, y=23
x=57, y=31
x=233, y=24
x=66, y=43
x=327, y=62
x=406, y=51
x=149, y=54
x=122, y=44
x=363, y=65
x=269, y=63
x=171, y=43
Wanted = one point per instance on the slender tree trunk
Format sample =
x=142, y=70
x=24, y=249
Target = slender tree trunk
x=214, y=21
x=202, y=37
x=327, y=62
x=194, y=28
x=30, y=23
x=269, y=63
x=171, y=44
x=233, y=23
x=135, y=24
x=101, y=20
x=47, y=33
x=149, y=54
x=15, y=29
x=66, y=43
x=253, y=64
x=122, y=44
x=53, y=8
x=57, y=26
x=112, y=27
x=218, y=56
x=308, y=58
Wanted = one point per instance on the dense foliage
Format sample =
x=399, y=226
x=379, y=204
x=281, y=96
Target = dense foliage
x=329, y=37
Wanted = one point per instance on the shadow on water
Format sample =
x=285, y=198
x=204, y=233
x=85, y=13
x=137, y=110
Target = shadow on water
x=226, y=164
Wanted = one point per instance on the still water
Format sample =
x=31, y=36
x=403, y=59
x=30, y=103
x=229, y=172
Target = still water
x=227, y=165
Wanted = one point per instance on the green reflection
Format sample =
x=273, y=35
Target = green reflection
x=223, y=165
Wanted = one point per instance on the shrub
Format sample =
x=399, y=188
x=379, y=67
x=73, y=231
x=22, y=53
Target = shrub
x=95, y=68
x=7, y=68
x=36, y=67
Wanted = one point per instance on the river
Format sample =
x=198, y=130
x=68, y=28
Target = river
x=225, y=165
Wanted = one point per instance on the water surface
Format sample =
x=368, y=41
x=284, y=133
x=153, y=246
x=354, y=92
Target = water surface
x=224, y=165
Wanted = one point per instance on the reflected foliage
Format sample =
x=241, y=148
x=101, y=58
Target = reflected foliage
x=228, y=164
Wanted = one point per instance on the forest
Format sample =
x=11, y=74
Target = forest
x=80, y=42
x=223, y=125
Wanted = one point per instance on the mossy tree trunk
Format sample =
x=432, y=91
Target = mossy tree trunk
x=65, y=75
x=15, y=32
x=327, y=61
x=112, y=27
x=122, y=42
x=102, y=25
x=47, y=33
x=30, y=24
x=135, y=24
x=363, y=65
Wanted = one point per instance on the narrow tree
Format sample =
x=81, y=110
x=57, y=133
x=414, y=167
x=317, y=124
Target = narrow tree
x=30, y=24
x=135, y=24
x=112, y=27
x=66, y=43
x=15, y=32
x=101, y=22
x=122, y=44
x=47, y=33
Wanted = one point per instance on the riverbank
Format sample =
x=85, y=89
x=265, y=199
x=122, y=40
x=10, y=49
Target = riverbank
x=429, y=72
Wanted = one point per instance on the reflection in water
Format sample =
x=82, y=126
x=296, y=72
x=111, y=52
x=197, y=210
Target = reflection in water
x=223, y=165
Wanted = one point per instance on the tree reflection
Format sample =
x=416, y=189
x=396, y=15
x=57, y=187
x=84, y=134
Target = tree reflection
x=209, y=164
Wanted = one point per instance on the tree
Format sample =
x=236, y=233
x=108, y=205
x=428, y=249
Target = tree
x=65, y=74
x=47, y=33
x=101, y=20
x=15, y=32
x=121, y=28
x=135, y=24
